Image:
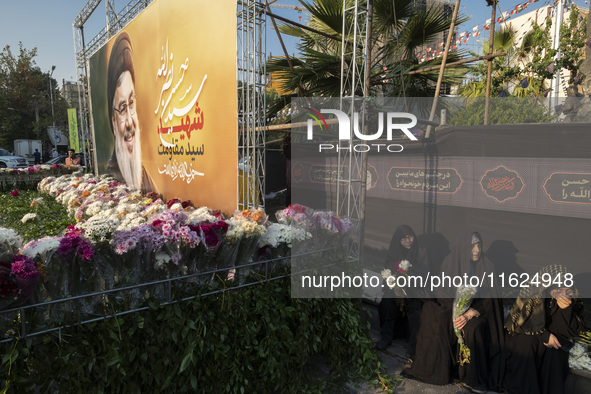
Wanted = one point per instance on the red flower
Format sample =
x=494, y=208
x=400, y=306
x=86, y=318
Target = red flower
x=14, y=193
x=170, y=203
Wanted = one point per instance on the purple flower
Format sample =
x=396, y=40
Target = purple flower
x=75, y=244
x=26, y=273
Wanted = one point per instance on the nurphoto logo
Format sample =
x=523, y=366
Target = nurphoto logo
x=392, y=120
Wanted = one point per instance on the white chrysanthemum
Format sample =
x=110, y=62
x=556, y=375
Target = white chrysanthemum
x=277, y=234
x=10, y=241
x=161, y=259
x=98, y=229
x=239, y=228
x=95, y=208
x=29, y=217
x=41, y=247
x=579, y=357
x=176, y=207
x=391, y=282
x=386, y=274
x=154, y=210
x=132, y=221
x=200, y=215
x=404, y=265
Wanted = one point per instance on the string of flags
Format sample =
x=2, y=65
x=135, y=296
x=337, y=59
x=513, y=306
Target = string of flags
x=467, y=35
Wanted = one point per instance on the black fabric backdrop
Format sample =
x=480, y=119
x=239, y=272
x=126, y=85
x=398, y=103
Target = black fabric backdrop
x=524, y=230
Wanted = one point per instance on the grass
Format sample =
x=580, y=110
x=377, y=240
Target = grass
x=52, y=218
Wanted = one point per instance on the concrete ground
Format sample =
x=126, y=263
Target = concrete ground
x=578, y=382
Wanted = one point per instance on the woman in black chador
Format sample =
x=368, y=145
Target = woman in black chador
x=481, y=326
x=540, y=326
x=403, y=246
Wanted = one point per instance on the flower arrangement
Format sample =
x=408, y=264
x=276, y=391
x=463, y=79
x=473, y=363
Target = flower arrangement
x=74, y=244
x=296, y=215
x=149, y=238
x=579, y=357
x=41, y=248
x=462, y=302
x=278, y=234
x=401, y=268
x=19, y=277
x=10, y=243
x=26, y=273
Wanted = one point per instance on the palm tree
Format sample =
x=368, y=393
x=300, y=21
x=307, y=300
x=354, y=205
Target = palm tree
x=399, y=31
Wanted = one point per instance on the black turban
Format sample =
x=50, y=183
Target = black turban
x=120, y=60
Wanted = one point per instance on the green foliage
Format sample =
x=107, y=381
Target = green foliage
x=398, y=30
x=52, y=217
x=573, y=36
x=532, y=60
x=25, y=98
x=508, y=110
x=256, y=339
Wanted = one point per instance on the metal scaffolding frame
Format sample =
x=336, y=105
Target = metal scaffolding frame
x=83, y=51
x=354, y=69
x=251, y=80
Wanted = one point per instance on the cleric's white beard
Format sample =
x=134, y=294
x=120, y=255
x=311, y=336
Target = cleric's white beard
x=130, y=164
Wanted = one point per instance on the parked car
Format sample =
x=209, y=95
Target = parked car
x=8, y=160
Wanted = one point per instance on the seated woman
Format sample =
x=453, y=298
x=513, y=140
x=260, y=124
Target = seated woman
x=481, y=326
x=403, y=246
x=540, y=324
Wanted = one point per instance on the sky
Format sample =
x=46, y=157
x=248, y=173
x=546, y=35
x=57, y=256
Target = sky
x=47, y=25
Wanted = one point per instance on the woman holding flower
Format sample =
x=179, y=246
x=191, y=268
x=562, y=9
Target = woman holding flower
x=405, y=256
x=470, y=319
x=540, y=325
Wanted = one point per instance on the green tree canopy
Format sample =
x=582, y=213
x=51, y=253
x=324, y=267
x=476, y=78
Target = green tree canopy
x=25, y=98
x=399, y=32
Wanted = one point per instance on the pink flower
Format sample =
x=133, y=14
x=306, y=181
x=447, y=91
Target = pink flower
x=14, y=193
x=26, y=274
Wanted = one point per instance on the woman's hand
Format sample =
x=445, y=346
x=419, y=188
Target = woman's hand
x=553, y=342
x=462, y=320
x=562, y=297
x=564, y=303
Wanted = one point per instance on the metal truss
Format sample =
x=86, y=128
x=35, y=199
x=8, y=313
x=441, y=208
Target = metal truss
x=351, y=183
x=83, y=51
x=251, y=15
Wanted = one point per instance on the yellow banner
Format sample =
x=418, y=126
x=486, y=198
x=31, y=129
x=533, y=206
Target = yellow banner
x=73, y=126
x=163, y=100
